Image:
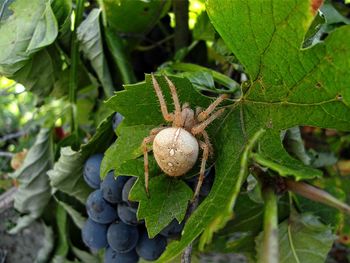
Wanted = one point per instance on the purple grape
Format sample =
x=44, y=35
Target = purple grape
x=112, y=256
x=117, y=119
x=100, y=210
x=94, y=234
x=112, y=188
x=92, y=170
x=126, y=190
x=151, y=249
x=127, y=214
x=122, y=237
x=173, y=229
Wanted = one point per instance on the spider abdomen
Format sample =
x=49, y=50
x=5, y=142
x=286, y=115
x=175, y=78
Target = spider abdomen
x=175, y=150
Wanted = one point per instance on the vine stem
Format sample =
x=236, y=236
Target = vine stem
x=186, y=255
x=73, y=77
x=269, y=246
x=317, y=195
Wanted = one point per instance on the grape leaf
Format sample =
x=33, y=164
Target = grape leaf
x=126, y=147
x=168, y=199
x=288, y=86
x=139, y=105
x=303, y=238
x=34, y=191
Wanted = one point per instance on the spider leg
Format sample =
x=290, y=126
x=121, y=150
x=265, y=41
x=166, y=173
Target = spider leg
x=163, y=107
x=205, y=148
x=207, y=142
x=199, y=128
x=178, y=117
x=205, y=114
x=146, y=141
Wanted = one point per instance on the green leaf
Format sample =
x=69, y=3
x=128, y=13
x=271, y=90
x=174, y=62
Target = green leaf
x=41, y=72
x=239, y=234
x=77, y=218
x=198, y=76
x=303, y=238
x=295, y=145
x=85, y=256
x=90, y=40
x=203, y=30
x=168, y=200
x=62, y=10
x=67, y=173
x=133, y=17
x=126, y=147
x=26, y=27
x=146, y=110
x=288, y=87
x=34, y=191
x=62, y=246
x=275, y=157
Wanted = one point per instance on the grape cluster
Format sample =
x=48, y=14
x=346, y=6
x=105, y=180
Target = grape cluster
x=112, y=223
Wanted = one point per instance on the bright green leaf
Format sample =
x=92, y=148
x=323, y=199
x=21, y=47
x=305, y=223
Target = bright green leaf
x=289, y=87
x=126, y=147
x=135, y=17
x=168, y=199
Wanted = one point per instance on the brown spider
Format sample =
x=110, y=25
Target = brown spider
x=176, y=148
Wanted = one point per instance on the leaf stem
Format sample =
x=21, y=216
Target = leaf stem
x=317, y=195
x=269, y=246
x=73, y=80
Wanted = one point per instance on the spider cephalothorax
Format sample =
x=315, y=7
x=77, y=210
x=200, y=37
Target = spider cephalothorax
x=176, y=148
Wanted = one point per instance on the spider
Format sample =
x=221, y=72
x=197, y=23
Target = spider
x=176, y=148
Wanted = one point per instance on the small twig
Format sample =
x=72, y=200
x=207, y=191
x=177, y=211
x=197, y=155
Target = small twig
x=11, y=136
x=6, y=154
x=182, y=31
x=150, y=47
x=186, y=255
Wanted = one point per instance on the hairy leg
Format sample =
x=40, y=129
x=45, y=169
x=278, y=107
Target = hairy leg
x=166, y=115
x=207, y=142
x=205, y=114
x=205, y=149
x=178, y=118
x=199, y=128
x=146, y=141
